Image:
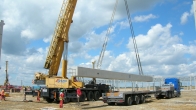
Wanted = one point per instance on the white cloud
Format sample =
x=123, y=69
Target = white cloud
x=27, y=34
x=48, y=39
x=143, y=18
x=156, y=36
x=186, y=15
x=184, y=18
x=161, y=53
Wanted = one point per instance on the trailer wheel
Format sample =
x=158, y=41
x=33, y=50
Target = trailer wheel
x=142, y=99
x=137, y=99
x=168, y=96
x=172, y=94
x=83, y=96
x=90, y=96
x=96, y=95
x=177, y=95
x=129, y=101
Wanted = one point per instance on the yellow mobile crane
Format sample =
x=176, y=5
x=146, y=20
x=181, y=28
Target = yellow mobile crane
x=58, y=48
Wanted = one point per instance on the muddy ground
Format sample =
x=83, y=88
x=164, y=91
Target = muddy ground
x=187, y=101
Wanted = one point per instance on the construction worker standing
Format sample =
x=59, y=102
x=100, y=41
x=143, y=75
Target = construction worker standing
x=79, y=93
x=61, y=98
x=2, y=95
x=38, y=95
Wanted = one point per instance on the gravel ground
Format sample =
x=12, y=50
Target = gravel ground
x=187, y=101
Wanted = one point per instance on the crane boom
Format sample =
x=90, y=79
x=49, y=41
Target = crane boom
x=60, y=37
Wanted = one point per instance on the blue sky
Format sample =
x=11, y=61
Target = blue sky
x=164, y=30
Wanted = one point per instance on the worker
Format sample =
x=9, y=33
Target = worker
x=61, y=98
x=38, y=95
x=25, y=89
x=3, y=95
x=78, y=91
x=75, y=80
x=0, y=95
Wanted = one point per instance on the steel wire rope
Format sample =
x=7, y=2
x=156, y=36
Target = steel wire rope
x=134, y=40
x=99, y=63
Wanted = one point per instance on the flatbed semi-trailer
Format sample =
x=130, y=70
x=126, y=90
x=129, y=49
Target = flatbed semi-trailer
x=170, y=89
x=127, y=97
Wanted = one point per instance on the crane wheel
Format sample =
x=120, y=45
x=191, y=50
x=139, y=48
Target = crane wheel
x=90, y=96
x=96, y=95
x=74, y=99
x=83, y=97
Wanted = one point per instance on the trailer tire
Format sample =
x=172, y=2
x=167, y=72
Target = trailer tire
x=137, y=99
x=96, y=95
x=129, y=101
x=177, y=95
x=142, y=99
x=173, y=94
x=90, y=96
x=168, y=96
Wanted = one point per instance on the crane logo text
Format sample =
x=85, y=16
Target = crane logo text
x=61, y=80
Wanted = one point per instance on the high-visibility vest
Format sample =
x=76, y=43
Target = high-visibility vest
x=61, y=96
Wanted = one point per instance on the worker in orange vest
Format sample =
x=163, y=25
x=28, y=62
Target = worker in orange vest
x=61, y=98
x=2, y=95
x=79, y=93
x=38, y=95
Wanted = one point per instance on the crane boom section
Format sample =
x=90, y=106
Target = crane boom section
x=60, y=36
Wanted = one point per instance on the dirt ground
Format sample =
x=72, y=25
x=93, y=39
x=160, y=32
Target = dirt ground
x=187, y=101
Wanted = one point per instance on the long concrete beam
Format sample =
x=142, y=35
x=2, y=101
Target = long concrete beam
x=104, y=74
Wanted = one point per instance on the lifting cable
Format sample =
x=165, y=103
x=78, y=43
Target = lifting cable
x=134, y=40
x=106, y=38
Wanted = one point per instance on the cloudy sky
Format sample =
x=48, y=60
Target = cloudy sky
x=164, y=30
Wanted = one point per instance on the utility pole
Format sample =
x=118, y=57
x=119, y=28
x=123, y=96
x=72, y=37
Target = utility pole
x=6, y=83
x=21, y=83
x=194, y=10
x=1, y=34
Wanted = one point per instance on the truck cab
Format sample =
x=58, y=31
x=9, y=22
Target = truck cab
x=176, y=83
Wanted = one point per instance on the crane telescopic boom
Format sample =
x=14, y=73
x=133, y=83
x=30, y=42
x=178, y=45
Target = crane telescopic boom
x=60, y=40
